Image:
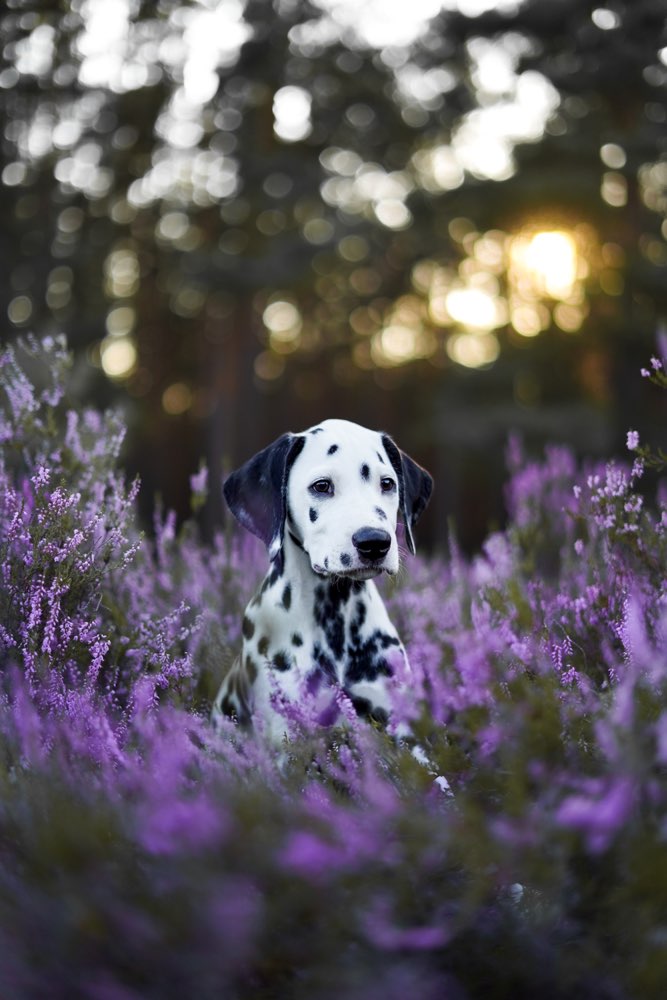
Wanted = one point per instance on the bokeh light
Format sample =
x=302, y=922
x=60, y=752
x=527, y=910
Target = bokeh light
x=177, y=399
x=118, y=356
x=291, y=109
x=474, y=307
x=282, y=319
x=473, y=350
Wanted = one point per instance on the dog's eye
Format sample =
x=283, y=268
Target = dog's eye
x=322, y=486
x=387, y=485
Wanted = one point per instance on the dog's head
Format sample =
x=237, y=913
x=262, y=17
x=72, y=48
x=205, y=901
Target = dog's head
x=337, y=490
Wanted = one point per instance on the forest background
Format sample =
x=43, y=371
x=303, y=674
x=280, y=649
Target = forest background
x=448, y=223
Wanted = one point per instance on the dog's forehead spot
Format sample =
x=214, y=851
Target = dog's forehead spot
x=333, y=448
x=365, y=471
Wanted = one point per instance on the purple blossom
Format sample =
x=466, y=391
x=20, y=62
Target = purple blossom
x=311, y=856
x=381, y=930
x=601, y=813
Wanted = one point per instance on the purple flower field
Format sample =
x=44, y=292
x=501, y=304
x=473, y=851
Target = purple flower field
x=145, y=855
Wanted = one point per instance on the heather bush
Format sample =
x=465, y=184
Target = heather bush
x=143, y=854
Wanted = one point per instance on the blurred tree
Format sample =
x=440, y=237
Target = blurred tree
x=231, y=210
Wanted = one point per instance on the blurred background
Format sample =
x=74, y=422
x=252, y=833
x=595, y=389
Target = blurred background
x=445, y=219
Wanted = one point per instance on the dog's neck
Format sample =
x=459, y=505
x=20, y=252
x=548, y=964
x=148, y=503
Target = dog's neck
x=293, y=565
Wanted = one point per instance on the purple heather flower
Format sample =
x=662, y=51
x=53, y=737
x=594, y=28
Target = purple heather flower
x=309, y=855
x=537, y=685
x=383, y=932
x=601, y=814
x=199, y=481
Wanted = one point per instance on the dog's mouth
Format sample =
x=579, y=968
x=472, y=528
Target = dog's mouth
x=356, y=573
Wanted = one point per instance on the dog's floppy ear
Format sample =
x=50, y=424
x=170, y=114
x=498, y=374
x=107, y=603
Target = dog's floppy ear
x=256, y=493
x=414, y=485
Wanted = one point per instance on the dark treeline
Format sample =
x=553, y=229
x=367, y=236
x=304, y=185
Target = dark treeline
x=249, y=217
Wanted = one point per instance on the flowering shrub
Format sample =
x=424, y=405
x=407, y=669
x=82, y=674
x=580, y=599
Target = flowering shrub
x=144, y=854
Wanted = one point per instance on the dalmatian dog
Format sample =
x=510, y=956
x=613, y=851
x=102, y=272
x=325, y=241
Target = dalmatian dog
x=325, y=502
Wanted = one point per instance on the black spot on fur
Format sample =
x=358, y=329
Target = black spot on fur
x=313, y=515
x=239, y=712
x=287, y=596
x=360, y=615
x=365, y=472
x=235, y=702
x=297, y=541
x=275, y=574
x=365, y=659
x=251, y=669
x=388, y=640
x=333, y=449
x=345, y=559
x=297, y=639
x=367, y=710
x=329, y=599
x=263, y=645
x=380, y=457
x=281, y=661
x=362, y=661
x=380, y=513
x=317, y=430
x=248, y=627
x=357, y=623
x=326, y=562
x=325, y=668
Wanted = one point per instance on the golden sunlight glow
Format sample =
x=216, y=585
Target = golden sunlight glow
x=546, y=272
x=474, y=308
x=550, y=259
x=529, y=281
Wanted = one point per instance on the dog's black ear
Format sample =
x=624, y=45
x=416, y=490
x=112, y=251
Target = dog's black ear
x=414, y=485
x=256, y=493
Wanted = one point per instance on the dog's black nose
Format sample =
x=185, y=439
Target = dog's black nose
x=371, y=543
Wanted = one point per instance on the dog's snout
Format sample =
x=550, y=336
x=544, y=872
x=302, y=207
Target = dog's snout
x=371, y=543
